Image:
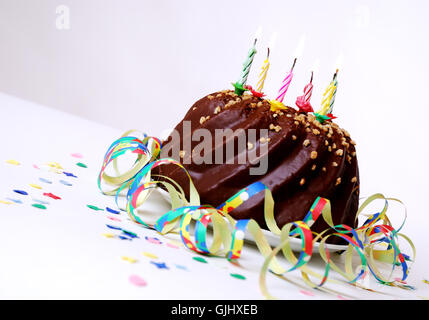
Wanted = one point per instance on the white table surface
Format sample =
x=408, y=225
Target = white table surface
x=60, y=252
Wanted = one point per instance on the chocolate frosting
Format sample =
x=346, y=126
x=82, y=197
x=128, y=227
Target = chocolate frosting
x=306, y=159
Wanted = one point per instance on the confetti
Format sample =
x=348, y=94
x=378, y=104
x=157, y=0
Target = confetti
x=35, y=166
x=178, y=266
x=160, y=265
x=137, y=280
x=6, y=202
x=307, y=293
x=172, y=245
x=129, y=259
x=55, y=165
x=130, y=234
x=94, y=207
x=14, y=162
x=112, y=211
x=153, y=240
x=425, y=281
x=341, y=297
x=77, y=155
x=69, y=174
x=51, y=195
x=80, y=164
x=199, y=259
x=36, y=186
x=65, y=183
x=40, y=206
x=238, y=276
x=108, y=235
x=40, y=201
x=150, y=255
x=114, y=219
x=45, y=180
x=21, y=192
x=113, y=227
x=15, y=200
x=124, y=238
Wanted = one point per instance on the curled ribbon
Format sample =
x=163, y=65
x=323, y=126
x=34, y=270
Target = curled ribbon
x=375, y=240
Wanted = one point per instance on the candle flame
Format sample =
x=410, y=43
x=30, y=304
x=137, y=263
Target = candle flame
x=316, y=66
x=258, y=33
x=340, y=61
x=273, y=40
x=300, y=47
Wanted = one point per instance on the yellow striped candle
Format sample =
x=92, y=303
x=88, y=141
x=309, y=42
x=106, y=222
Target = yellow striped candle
x=263, y=74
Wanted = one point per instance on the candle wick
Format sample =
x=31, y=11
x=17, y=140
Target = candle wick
x=335, y=74
x=293, y=66
x=311, y=79
x=254, y=43
x=268, y=53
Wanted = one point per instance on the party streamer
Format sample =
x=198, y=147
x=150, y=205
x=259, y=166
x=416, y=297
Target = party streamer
x=375, y=240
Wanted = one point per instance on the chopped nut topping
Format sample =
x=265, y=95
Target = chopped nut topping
x=302, y=182
x=313, y=167
x=352, y=142
x=217, y=110
x=308, y=130
x=296, y=122
x=346, y=133
x=249, y=145
x=230, y=103
x=313, y=154
x=275, y=115
x=316, y=132
x=182, y=153
x=210, y=97
x=219, y=95
x=349, y=159
x=329, y=148
x=326, y=143
x=338, y=181
x=353, y=154
x=334, y=164
x=263, y=140
x=203, y=119
x=194, y=108
x=259, y=104
x=339, y=152
x=334, y=146
x=275, y=128
x=324, y=169
x=293, y=137
x=354, y=179
x=306, y=142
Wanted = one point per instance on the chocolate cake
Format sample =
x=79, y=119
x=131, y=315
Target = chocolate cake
x=305, y=159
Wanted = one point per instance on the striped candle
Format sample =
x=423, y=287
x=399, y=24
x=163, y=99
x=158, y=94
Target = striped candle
x=285, y=84
x=263, y=74
x=303, y=102
x=329, y=96
x=247, y=64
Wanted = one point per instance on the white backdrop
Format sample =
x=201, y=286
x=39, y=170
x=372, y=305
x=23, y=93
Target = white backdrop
x=141, y=64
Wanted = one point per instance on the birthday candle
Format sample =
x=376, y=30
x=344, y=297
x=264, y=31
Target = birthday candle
x=285, y=84
x=266, y=65
x=240, y=84
x=329, y=96
x=288, y=79
x=263, y=74
x=303, y=102
x=247, y=64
